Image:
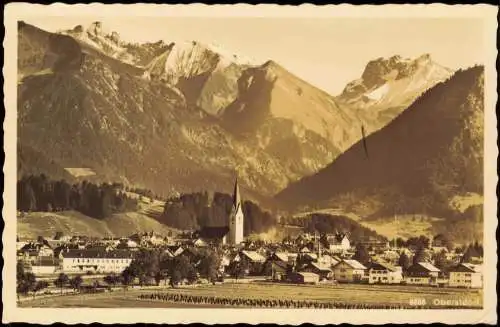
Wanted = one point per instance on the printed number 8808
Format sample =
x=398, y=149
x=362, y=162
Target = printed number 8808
x=418, y=301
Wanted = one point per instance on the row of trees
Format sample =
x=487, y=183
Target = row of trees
x=27, y=282
x=195, y=210
x=153, y=265
x=39, y=193
x=150, y=266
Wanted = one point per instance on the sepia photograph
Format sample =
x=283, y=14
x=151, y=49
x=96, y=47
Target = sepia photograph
x=181, y=159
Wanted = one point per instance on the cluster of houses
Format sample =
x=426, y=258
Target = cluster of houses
x=302, y=260
x=305, y=259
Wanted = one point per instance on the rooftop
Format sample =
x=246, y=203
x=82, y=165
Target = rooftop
x=354, y=264
x=254, y=256
x=428, y=266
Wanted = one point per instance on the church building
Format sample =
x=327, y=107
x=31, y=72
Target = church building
x=232, y=234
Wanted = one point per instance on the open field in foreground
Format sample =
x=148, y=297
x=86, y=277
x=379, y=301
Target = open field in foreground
x=349, y=293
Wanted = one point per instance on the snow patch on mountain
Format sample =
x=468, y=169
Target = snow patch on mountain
x=379, y=92
x=229, y=57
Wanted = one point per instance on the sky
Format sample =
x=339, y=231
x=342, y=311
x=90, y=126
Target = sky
x=327, y=52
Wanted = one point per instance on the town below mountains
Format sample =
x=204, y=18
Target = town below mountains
x=78, y=264
x=116, y=138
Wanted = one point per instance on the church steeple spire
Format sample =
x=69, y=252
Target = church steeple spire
x=236, y=219
x=236, y=194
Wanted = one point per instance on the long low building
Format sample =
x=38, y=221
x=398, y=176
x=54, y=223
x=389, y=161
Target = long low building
x=95, y=261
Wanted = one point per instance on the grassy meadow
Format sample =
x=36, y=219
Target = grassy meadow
x=348, y=293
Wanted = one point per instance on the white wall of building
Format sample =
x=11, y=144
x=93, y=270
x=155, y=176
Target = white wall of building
x=385, y=276
x=101, y=265
x=344, y=273
x=43, y=270
x=236, y=227
x=418, y=280
x=466, y=279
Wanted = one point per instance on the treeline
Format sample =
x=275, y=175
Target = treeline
x=39, y=193
x=195, y=210
x=421, y=241
x=328, y=224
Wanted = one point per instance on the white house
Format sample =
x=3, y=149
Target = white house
x=95, y=261
x=466, y=275
x=422, y=273
x=348, y=271
x=339, y=242
x=384, y=273
x=44, y=268
x=253, y=259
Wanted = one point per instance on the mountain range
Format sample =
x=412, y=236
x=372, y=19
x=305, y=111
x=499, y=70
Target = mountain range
x=180, y=117
x=428, y=160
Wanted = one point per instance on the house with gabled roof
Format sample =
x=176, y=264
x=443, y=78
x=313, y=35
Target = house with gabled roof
x=422, y=273
x=305, y=249
x=466, y=275
x=349, y=271
x=322, y=270
x=327, y=260
x=251, y=259
x=381, y=272
x=33, y=251
x=304, y=277
x=44, y=266
x=286, y=257
x=250, y=256
x=339, y=242
x=281, y=263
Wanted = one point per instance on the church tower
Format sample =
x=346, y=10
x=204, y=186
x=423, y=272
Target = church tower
x=236, y=218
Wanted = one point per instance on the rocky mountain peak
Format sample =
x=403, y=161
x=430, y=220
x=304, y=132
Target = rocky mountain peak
x=424, y=59
x=78, y=29
x=115, y=37
x=389, y=85
x=95, y=29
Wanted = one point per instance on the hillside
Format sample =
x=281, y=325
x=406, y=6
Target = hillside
x=417, y=164
x=74, y=223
